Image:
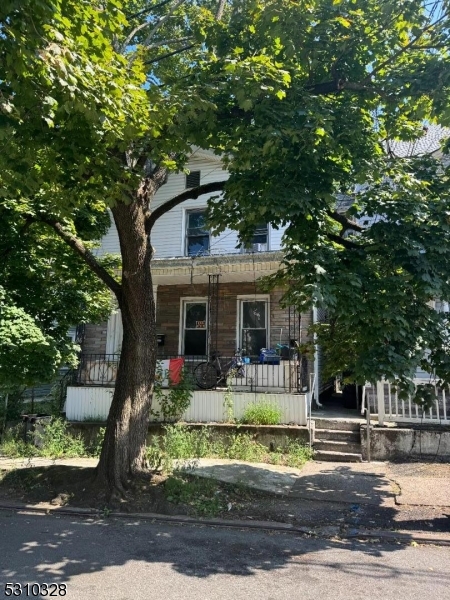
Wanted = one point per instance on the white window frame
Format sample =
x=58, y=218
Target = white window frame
x=245, y=250
x=188, y=300
x=184, y=241
x=252, y=298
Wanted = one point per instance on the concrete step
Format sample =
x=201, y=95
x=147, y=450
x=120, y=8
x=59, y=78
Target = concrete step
x=337, y=424
x=329, y=456
x=337, y=446
x=337, y=435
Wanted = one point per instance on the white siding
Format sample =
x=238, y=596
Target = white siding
x=275, y=237
x=168, y=236
x=168, y=233
x=110, y=243
x=92, y=403
x=88, y=403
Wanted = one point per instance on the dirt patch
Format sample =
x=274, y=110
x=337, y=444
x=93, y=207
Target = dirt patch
x=179, y=494
x=420, y=468
x=185, y=494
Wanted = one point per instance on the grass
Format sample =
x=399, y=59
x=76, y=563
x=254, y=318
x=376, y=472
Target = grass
x=198, y=493
x=179, y=490
x=54, y=440
x=182, y=442
x=176, y=493
x=206, y=497
x=262, y=413
x=51, y=440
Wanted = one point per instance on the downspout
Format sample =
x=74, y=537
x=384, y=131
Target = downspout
x=316, y=361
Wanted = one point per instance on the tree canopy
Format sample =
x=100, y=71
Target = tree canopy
x=101, y=99
x=45, y=289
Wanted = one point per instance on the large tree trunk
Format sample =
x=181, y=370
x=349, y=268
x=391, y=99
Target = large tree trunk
x=123, y=451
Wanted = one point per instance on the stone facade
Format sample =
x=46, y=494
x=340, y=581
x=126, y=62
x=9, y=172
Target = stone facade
x=95, y=339
x=283, y=326
x=168, y=315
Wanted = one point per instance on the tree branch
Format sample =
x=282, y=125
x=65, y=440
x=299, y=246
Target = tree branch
x=167, y=42
x=136, y=30
x=339, y=85
x=406, y=47
x=163, y=56
x=192, y=194
x=155, y=28
x=161, y=21
x=337, y=239
x=344, y=221
x=220, y=9
x=148, y=9
x=77, y=245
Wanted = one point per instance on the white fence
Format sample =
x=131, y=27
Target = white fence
x=384, y=400
x=86, y=403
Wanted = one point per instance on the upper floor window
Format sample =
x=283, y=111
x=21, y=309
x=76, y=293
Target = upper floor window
x=260, y=240
x=197, y=234
x=192, y=179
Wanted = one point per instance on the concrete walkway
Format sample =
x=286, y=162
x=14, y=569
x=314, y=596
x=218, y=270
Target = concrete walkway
x=379, y=484
x=325, y=482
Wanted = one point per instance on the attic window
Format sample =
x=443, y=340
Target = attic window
x=193, y=179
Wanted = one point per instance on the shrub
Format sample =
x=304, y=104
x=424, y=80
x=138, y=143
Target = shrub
x=262, y=413
x=96, y=447
x=50, y=440
x=55, y=441
x=178, y=398
x=296, y=454
x=14, y=445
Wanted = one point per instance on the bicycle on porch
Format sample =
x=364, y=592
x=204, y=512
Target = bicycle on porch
x=211, y=373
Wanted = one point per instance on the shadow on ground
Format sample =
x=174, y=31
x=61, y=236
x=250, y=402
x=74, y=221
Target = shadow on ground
x=51, y=548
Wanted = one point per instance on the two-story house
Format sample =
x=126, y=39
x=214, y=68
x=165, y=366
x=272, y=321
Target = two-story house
x=208, y=297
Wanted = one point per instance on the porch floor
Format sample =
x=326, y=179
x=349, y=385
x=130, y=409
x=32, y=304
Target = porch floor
x=337, y=413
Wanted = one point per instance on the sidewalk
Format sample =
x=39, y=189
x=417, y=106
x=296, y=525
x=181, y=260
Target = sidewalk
x=335, y=498
x=377, y=484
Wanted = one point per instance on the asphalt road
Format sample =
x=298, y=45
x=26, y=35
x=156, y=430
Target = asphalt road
x=133, y=560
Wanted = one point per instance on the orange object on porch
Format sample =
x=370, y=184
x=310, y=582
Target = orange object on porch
x=175, y=370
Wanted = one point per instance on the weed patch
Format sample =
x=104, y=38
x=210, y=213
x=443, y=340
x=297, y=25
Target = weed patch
x=49, y=440
x=182, y=442
x=262, y=413
x=200, y=494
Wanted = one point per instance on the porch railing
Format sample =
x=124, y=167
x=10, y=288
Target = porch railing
x=383, y=399
x=289, y=375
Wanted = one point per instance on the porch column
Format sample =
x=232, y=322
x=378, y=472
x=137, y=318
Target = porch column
x=380, y=402
x=114, y=333
x=155, y=296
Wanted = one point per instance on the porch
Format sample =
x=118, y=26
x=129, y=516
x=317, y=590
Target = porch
x=384, y=403
x=278, y=376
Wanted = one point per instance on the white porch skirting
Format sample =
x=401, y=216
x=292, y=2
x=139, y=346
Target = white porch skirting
x=92, y=404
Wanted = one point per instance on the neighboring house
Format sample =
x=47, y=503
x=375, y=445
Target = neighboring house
x=207, y=296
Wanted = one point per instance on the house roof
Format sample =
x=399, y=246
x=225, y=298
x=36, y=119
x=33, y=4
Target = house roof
x=428, y=143
x=205, y=153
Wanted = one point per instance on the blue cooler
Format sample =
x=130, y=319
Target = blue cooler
x=269, y=356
